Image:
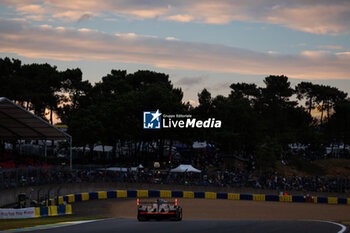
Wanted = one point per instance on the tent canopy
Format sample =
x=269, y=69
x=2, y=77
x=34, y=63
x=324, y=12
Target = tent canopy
x=101, y=148
x=18, y=123
x=120, y=169
x=201, y=145
x=185, y=168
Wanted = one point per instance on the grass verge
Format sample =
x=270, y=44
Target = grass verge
x=6, y=224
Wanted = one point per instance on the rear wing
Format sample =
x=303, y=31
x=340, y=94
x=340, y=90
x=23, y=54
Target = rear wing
x=138, y=203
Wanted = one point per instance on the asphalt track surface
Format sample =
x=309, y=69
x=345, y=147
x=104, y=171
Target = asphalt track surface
x=198, y=226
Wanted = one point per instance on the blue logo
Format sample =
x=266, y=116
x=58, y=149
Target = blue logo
x=151, y=120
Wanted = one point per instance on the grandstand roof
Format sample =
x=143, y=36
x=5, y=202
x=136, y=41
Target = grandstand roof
x=18, y=123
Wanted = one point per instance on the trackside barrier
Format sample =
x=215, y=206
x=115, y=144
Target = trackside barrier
x=78, y=197
x=258, y=197
x=122, y=193
x=222, y=196
x=309, y=199
x=342, y=201
x=43, y=211
x=142, y=193
x=50, y=202
x=298, y=199
x=37, y=211
x=246, y=197
x=102, y=195
x=165, y=193
x=154, y=193
x=111, y=194
x=93, y=195
x=59, y=200
x=332, y=200
x=177, y=194
x=53, y=210
x=285, y=198
x=210, y=195
x=234, y=196
x=188, y=194
x=322, y=200
x=84, y=196
x=71, y=198
x=271, y=198
x=199, y=195
x=131, y=193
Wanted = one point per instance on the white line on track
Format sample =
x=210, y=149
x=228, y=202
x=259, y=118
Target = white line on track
x=343, y=228
x=48, y=226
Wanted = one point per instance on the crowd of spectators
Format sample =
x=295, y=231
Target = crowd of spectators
x=229, y=178
x=19, y=171
x=11, y=161
x=275, y=181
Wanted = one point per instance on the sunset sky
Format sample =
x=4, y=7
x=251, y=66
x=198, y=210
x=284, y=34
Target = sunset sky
x=198, y=43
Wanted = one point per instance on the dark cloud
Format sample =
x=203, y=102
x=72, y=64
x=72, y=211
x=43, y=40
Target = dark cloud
x=84, y=17
x=190, y=81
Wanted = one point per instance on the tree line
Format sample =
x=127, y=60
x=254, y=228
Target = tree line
x=258, y=121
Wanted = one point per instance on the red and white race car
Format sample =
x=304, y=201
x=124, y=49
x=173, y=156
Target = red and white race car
x=158, y=210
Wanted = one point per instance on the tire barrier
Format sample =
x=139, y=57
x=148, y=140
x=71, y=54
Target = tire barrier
x=99, y=195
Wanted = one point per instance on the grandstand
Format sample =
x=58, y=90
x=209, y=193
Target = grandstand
x=17, y=123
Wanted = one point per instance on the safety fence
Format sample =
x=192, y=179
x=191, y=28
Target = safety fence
x=33, y=212
x=78, y=197
x=58, y=175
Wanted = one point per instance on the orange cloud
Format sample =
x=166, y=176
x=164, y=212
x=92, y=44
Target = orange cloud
x=319, y=17
x=75, y=44
x=31, y=9
x=331, y=47
x=180, y=18
x=313, y=18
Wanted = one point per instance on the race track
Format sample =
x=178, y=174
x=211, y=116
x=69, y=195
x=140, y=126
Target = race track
x=199, y=226
x=199, y=209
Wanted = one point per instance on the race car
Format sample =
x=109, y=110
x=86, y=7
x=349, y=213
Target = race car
x=158, y=210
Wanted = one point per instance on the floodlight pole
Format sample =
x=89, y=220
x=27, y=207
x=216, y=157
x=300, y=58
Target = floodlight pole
x=70, y=153
x=45, y=150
